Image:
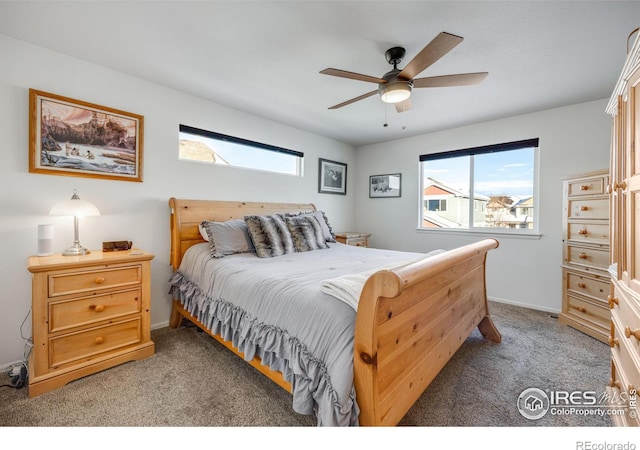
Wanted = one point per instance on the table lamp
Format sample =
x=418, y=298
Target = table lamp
x=76, y=208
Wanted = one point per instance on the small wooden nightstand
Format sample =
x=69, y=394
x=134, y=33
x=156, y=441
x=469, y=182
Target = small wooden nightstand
x=351, y=238
x=89, y=313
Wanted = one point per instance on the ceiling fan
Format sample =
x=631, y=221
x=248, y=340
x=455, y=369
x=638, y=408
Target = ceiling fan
x=396, y=85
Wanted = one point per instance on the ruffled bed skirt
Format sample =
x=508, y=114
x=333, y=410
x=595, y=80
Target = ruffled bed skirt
x=310, y=382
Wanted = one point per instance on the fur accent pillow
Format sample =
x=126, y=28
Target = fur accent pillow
x=327, y=231
x=270, y=235
x=306, y=233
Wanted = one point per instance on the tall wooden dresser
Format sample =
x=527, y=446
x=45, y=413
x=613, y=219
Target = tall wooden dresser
x=585, y=254
x=624, y=188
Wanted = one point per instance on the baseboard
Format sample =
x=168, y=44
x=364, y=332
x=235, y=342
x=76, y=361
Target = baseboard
x=524, y=305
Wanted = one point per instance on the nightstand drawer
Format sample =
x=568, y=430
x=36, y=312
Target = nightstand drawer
x=77, y=282
x=87, y=310
x=587, y=286
x=587, y=257
x=86, y=344
x=589, y=208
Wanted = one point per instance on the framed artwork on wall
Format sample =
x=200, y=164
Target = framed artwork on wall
x=332, y=177
x=389, y=185
x=75, y=138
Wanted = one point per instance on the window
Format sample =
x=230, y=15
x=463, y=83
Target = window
x=215, y=148
x=481, y=189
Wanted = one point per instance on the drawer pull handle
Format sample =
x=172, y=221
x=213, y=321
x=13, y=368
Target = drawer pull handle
x=97, y=308
x=581, y=309
x=99, y=340
x=584, y=208
x=100, y=280
x=613, y=342
x=635, y=333
x=583, y=256
x=612, y=301
x=583, y=231
x=584, y=187
x=582, y=285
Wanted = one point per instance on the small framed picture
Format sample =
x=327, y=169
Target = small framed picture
x=80, y=139
x=332, y=177
x=388, y=185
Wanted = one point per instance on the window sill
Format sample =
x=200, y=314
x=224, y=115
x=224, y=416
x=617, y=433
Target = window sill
x=478, y=232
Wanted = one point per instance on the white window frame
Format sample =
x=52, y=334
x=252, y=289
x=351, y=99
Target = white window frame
x=508, y=232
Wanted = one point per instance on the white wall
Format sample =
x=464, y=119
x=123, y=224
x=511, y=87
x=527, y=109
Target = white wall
x=527, y=272
x=132, y=211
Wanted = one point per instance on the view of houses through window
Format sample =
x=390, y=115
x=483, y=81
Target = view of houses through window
x=482, y=187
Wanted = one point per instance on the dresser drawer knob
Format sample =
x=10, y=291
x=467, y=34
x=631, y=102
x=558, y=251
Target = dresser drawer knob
x=582, y=309
x=100, y=280
x=584, y=187
x=635, y=333
x=97, y=308
x=613, y=342
x=583, y=231
x=99, y=340
x=582, y=285
x=583, y=256
x=612, y=301
x=584, y=208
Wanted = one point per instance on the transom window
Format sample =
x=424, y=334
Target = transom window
x=216, y=148
x=490, y=188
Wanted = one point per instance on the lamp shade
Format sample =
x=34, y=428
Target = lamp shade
x=395, y=92
x=74, y=207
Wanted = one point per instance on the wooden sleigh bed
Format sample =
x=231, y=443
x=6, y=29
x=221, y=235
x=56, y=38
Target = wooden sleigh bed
x=409, y=321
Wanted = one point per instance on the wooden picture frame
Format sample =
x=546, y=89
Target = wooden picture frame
x=383, y=186
x=76, y=138
x=332, y=177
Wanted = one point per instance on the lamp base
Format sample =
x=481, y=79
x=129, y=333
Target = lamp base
x=76, y=250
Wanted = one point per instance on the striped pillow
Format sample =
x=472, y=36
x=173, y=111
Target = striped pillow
x=270, y=235
x=306, y=232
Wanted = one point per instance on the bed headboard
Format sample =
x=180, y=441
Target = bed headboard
x=186, y=215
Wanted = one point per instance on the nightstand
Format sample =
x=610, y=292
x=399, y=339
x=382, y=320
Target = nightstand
x=351, y=238
x=89, y=313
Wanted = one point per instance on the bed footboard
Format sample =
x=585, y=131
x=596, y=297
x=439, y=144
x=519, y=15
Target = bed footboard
x=410, y=322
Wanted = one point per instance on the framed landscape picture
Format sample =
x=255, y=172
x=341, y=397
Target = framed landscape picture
x=385, y=185
x=332, y=177
x=75, y=138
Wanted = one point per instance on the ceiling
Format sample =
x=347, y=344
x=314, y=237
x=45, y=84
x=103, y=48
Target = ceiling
x=264, y=57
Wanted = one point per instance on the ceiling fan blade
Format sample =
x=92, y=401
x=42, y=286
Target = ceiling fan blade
x=353, y=100
x=433, y=51
x=461, y=79
x=352, y=75
x=403, y=106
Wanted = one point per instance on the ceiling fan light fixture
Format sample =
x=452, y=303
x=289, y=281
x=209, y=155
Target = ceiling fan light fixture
x=395, y=92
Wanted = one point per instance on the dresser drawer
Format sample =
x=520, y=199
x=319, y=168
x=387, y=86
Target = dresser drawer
x=586, y=257
x=619, y=396
x=588, y=208
x=627, y=313
x=589, y=233
x=592, y=287
x=591, y=312
x=89, y=343
x=586, y=186
x=625, y=351
x=93, y=280
x=83, y=311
